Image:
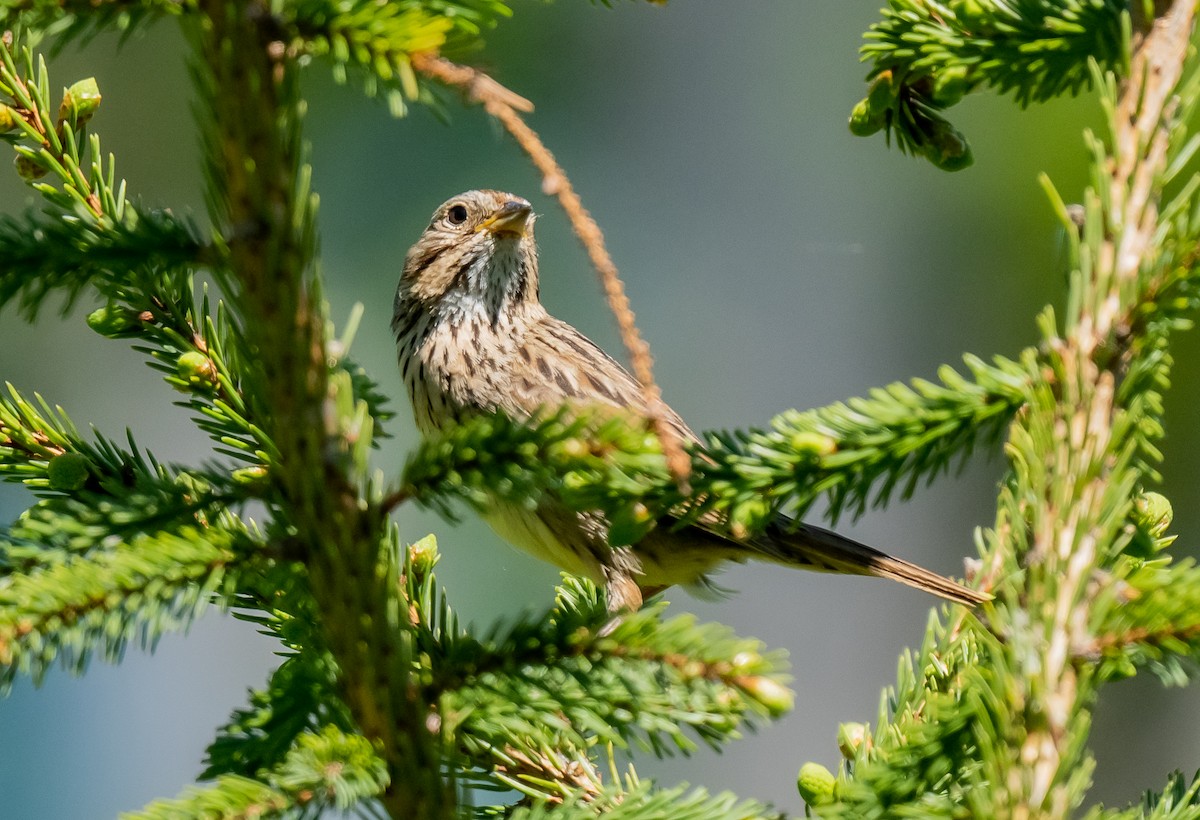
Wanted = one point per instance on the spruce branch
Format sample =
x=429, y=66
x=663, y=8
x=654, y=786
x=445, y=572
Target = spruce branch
x=94, y=489
x=1082, y=592
x=588, y=680
x=1179, y=800
x=555, y=776
x=854, y=454
x=67, y=254
x=231, y=796
x=320, y=433
x=860, y=452
x=60, y=528
x=139, y=262
x=524, y=705
x=1151, y=623
x=1077, y=446
x=49, y=141
x=103, y=601
x=601, y=461
x=121, y=548
x=639, y=801
x=326, y=769
x=377, y=42
x=928, y=754
x=31, y=436
x=927, y=55
x=81, y=19
x=301, y=695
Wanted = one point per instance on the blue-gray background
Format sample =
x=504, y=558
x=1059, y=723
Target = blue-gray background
x=774, y=261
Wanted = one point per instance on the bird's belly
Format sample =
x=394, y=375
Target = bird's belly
x=523, y=528
x=685, y=557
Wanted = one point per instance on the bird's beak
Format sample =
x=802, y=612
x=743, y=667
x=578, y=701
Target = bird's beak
x=511, y=218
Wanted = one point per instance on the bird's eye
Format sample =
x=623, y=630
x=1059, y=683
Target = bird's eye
x=457, y=215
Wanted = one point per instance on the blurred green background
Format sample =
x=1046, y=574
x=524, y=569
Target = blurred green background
x=774, y=261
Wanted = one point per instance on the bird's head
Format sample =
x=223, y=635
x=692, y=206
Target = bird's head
x=477, y=253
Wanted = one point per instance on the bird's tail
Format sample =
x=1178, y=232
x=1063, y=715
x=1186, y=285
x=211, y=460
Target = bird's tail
x=822, y=550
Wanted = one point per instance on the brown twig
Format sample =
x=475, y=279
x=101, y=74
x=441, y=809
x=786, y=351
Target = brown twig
x=504, y=106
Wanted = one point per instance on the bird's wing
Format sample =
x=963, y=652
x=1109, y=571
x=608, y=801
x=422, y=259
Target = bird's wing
x=560, y=365
x=572, y=368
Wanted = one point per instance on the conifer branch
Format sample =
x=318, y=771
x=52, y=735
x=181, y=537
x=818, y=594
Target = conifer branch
x=854, y=454
x=577, y=676
x=1152, y=623
x=31, y=436
x=75, y=19
x=1081, y=595
x=139, y=262
x=326, y=769
x=231, y=797
x=924, y=757
x=72, y=609
x=58, y=529
x=552, y=776
x=590, y=680
x=1178, y=801
x=94, y=489
x=51, y=144
x=927, y=55
x=860, y=452
x=378, y=42
x=1075, y=509
x=66, y=255
x=611, y=697
x=267, y=218
x=637, y=801
x=301, y=695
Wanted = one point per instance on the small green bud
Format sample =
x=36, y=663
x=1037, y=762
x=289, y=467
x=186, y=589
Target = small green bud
x=850, y=738
x=1153, y=512
x=423, y=555
x=1118, y=667
x=113, y=321
x=9, y=118
x=253, y=478
x=816, y=784
x=745, y=661
x=68, y=472
x=883, y=91
x=81, y=101
x=28, y=168
x=573, y=448
x=968, y=12
x=864, y=121
x=947, y=149
x=746, y=517
x=196, y=369
x=818, y=444
x=770, y=693
x=950, y=86
x=871, y=113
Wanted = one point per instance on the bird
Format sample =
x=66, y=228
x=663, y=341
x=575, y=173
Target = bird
x=472, y=337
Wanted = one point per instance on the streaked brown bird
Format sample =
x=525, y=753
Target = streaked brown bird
x=473, y=336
